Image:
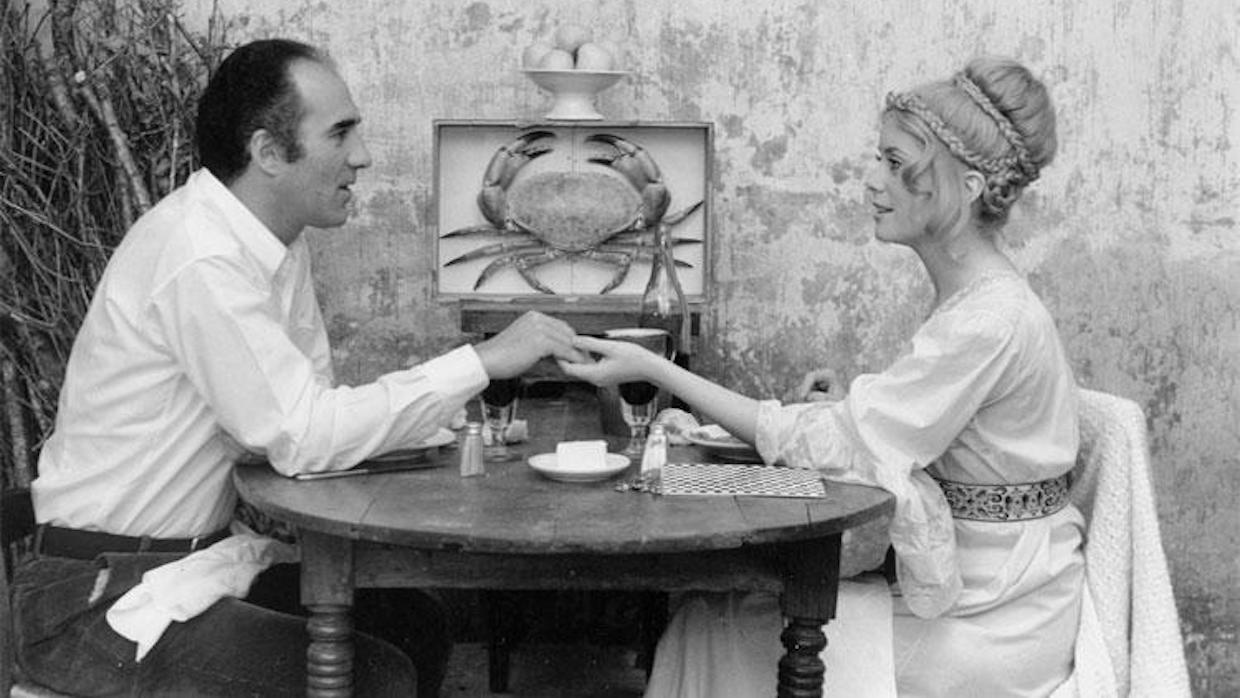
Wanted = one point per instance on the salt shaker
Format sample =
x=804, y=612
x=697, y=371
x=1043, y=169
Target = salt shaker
x=654, y=457
x=471, y=450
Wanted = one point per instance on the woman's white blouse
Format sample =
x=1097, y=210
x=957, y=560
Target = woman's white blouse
x=984, y=395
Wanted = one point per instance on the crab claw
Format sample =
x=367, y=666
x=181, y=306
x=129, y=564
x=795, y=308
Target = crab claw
x=635, y=163
x=513, y=156
x=629, y=159
x=503, y=168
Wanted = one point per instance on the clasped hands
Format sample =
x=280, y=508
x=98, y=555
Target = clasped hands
x=534, y=335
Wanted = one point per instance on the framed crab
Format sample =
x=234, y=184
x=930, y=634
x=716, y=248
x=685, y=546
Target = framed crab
x=567, y=210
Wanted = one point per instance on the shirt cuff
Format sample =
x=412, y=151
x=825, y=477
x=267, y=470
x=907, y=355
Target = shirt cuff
x=457, y=375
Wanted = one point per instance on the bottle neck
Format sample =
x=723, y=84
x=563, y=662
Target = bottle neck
x=663, y=295
x=664, y=304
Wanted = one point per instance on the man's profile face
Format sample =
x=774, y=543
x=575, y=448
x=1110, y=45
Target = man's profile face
x=315, y=188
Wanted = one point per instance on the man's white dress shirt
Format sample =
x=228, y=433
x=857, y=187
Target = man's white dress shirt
x=204, y=340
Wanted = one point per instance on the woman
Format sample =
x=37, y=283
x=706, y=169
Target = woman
x=973, y=429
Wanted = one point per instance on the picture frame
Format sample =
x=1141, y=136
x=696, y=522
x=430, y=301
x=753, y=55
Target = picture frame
x=473, y=269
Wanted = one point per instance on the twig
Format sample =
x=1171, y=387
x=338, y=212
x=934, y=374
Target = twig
x=19, y=445
x=100, y=103
x=176, y=89
x=60, y=92
x=84, y=156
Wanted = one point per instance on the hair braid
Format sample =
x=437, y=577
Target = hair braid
x=911, y=103
x=1004, y=124
x=994, y=117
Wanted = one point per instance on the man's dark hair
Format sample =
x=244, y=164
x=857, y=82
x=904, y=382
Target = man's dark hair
x=251, y=90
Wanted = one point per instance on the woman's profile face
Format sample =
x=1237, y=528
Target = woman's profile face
x=900, y=215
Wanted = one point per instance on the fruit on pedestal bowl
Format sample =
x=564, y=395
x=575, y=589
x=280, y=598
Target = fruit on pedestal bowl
x=572, y=47
x=568, y=37
x=573, y=67
x=556, y=59
x=533, y=55
x=592, y=56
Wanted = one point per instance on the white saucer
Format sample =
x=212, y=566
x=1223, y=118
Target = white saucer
x=548, y=464
x=722, y=444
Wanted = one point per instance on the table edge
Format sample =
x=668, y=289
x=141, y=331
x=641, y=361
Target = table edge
x=883, y=504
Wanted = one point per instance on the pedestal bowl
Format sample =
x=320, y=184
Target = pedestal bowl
x=573, y=91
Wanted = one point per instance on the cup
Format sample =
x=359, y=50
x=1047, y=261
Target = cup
x=637, y=398
x=499, y=402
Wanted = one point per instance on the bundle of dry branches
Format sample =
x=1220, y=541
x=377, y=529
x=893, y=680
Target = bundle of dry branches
x=97, y=100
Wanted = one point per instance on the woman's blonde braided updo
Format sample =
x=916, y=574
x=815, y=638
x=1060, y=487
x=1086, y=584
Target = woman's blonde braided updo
x=996, y=118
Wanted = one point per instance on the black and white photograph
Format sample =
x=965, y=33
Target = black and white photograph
x=620, y=348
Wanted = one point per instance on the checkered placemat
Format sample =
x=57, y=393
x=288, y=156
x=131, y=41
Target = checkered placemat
x=737, y=479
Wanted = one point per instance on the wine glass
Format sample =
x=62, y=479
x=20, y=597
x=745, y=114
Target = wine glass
x=637, y=398
x=499, y=401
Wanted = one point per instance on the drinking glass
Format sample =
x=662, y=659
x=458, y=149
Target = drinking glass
x=637, y=398
x=499, y=401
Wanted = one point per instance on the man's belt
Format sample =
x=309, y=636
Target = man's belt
x=87, y=545
x=1021, y=502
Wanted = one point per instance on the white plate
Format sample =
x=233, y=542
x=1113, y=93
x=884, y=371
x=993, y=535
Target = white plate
x=548, y=464
x=442, y=437
x=719, y=442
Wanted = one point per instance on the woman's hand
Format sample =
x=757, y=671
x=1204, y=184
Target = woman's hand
x=819, y=385
x=616, y=362
x=622, y=362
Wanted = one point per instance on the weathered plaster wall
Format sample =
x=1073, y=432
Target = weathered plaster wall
x=1131, y=236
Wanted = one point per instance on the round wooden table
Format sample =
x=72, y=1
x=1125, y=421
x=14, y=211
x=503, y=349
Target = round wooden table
x=515, y=529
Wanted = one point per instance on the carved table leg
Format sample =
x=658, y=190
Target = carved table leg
x=800, y=669
x=327, y=591
x=811, y=583
x=329, y=658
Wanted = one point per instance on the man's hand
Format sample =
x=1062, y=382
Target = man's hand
x=618, y=362
x=819, y=385
x=528, y=339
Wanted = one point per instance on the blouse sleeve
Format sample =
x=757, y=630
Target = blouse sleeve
x=890, y=427
x=906, y=416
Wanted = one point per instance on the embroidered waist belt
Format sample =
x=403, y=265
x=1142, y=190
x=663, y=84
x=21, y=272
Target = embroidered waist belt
x=1029, y=500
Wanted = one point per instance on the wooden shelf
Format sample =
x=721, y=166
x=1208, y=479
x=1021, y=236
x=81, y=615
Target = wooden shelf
x=591, y=316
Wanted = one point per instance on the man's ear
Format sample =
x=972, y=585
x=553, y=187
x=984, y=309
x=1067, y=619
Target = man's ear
x=974, y=185
x=266, y=153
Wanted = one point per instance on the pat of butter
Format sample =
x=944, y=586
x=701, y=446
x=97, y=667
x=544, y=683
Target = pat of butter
x=581, y=455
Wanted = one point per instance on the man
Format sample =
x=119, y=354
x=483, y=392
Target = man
x=204, y=340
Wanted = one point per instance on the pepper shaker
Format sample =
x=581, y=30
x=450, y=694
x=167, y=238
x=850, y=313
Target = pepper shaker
x=654, y=456
x=471, y=450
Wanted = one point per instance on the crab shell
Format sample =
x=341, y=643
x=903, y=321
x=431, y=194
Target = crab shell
x=573, y=211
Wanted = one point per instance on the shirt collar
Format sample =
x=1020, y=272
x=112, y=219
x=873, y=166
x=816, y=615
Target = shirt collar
x=248, y=230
